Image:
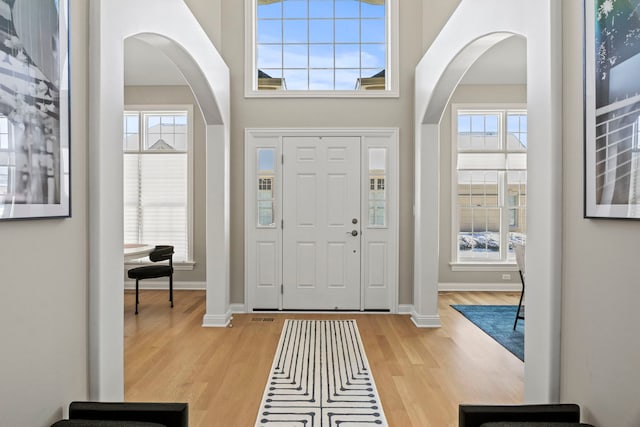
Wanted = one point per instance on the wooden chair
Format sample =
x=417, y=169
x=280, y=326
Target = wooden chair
x=160, y=253
x=519, y=249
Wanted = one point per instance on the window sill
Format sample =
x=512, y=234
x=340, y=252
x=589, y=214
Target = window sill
x=177, y=266
x=322, y=94
x=484, y=266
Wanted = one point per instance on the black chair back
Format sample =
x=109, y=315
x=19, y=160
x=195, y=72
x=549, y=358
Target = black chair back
x=161, y=253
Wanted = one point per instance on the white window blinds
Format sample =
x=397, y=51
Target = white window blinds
x=156, y=181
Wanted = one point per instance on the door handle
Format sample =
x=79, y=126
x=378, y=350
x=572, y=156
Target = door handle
x=353, y=232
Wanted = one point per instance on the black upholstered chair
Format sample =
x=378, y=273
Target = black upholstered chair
x=160, y=253
x=126, y=414
x=553, y=415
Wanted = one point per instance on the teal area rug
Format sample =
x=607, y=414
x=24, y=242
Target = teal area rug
x=497, y=322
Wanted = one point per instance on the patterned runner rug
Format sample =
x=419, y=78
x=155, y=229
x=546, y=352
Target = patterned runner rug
x=320, y=377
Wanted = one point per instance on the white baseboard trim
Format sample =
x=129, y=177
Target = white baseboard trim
x=405, y=309
x=217, y=320
x=431, y=321
x=238, y=308
x=487, y=287
x=163, y=284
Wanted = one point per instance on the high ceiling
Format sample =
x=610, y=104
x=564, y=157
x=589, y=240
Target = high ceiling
x=505, y=63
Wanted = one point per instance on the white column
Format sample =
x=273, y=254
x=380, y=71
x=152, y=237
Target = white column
x=106, y=259
x=218, y=312
x=544, y=199
x=427, y=183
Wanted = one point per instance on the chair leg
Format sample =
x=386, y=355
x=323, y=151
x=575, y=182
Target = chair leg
x=519, y=303
x=171, y=289
x=137, y=280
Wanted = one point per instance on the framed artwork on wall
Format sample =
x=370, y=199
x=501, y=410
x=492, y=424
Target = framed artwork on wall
x=612, y=108
x=34, y=109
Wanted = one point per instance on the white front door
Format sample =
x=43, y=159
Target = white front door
x=321, y=223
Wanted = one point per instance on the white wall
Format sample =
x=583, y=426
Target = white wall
x=43, y=272
x=600, y=317
x=316, y=113
x=43, y=284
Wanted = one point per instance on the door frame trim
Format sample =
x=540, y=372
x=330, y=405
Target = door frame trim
x=275, y=135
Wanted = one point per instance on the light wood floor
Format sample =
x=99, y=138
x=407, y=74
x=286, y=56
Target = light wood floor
x=422, y=374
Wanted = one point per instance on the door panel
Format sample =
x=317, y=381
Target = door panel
x=321, y=198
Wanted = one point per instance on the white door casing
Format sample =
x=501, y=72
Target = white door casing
x=321, y=244
x=266, y=258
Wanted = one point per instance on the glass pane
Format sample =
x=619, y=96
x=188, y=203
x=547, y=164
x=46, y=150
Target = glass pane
x=296, y=79
x=484, y=132
x=131, y=124
x=516, y=132
x=347, y=31
x=180, y=141
x=321, y=56
x=464, y=132
x=347, y=8
x=295, y=56
x=491, y=125
x=269, y=56
x=321, y=31
x=153, y=122
x=348, y=56
x=269, y=10
x=295, y=8
x=517, y=187
x=377, y=213
x=131, y=137
x=162, y=131
x=265, y=215
x=266, y=164
x=371, y=10
x=373, y=30
x=266, y=159
x=347, y=79
x=377, y=159
x=479, y=234
x=295, y=31
x=180, y=122
x=321, y=79
x=373, y=56
x=320, y=8
x=377, y=186
x=269, y=31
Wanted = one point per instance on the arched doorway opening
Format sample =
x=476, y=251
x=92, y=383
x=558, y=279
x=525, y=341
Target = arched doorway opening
x=470, y=32
x=174, y=30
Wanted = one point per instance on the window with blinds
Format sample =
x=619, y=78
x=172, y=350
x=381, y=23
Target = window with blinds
x=489, y=183
x=157, y=179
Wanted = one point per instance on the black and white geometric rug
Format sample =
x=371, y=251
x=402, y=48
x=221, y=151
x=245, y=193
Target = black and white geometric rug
x=320, y=377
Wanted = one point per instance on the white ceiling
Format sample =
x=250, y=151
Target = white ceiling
x=505, y=63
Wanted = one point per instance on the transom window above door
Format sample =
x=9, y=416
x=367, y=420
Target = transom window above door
x=321, y=48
